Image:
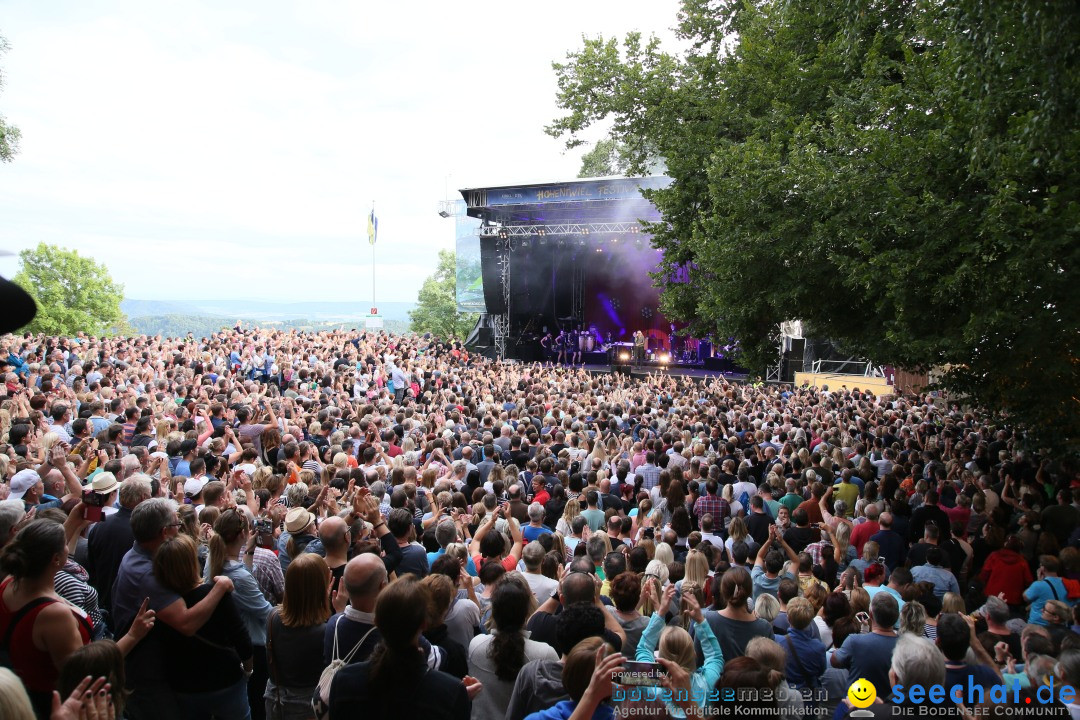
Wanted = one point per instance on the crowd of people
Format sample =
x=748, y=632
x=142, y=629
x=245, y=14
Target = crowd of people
x=288, y=525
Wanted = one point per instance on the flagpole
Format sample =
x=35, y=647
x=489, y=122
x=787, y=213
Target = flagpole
x=372, y=243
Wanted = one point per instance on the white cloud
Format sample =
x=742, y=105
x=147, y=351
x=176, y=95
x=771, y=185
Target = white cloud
x=232, y=150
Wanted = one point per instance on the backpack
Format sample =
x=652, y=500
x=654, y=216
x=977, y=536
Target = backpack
x=320, y=702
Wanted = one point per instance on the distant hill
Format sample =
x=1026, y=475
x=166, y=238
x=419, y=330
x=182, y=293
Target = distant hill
x=259, y=310
x=312, y=310
x=171, y=318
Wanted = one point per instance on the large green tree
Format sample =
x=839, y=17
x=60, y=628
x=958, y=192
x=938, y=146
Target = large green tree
x=436, y=305
x=73, y=293
x=9, y=134
x=902, y=175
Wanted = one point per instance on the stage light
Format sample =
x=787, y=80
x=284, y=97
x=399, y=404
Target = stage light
x=664, y=358
x=542, y=232
x=503, y=233
x=599, y=249
x=585, y=231
x=624, y=357
x=614, y=240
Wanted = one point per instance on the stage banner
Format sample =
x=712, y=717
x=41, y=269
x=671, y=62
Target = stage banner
x=470, y=279
x=578, y=191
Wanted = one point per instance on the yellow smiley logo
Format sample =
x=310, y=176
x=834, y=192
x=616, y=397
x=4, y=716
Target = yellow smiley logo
x=862, y=692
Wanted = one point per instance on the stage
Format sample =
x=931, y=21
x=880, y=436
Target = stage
x=571, y=266
x=675, y=371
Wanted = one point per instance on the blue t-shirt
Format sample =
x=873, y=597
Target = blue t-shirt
x=868, y=655
x=1051, y=588
x=531, y=533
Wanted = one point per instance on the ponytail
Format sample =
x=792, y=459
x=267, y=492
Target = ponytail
x=229, y=525
x=217, y=555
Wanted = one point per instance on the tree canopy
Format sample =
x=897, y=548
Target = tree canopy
x=73, y=293
x=902, y=176
x=9, y=134
x=436, y=308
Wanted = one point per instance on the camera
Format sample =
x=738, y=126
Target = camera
x=263, y=525
x=93, y=499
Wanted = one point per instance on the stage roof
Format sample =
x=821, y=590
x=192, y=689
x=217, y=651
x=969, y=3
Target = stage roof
x=595, y=200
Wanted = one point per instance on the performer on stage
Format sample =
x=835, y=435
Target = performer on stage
x=561, y=343
x=639, y=346
x=547, y=344
x=575, y=340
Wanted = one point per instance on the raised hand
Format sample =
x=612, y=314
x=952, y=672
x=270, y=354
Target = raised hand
x=144, y=621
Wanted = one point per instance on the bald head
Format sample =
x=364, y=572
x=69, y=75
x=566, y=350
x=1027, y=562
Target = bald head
x=365, y=576
x=885, y=520
x=577, y=587
x=332, y=533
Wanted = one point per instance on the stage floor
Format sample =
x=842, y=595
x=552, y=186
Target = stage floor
x=697, y=372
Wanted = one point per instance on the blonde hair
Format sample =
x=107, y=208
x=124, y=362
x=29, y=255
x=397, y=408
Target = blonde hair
x=800, y=612
x=14, y=702
x=677, y=645
x=860, y=600
x=260, y=476
x=772, y=657
x=953, y=603
x=47, y=442
x=843, y=538
x=737, y=529
x=458, y=551
x=697, y=568
x=664, y=554
x=767, y=607
x=571, y=510
x=913, y=618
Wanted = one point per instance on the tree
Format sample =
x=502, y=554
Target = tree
x=9, y=134
x=602, y=160
x=73, y=293
x=900, y=175
x=436, y=305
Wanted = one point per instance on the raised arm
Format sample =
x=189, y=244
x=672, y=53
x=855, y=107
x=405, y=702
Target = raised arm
x=710, y=646
x=650, y=638
x=516, y=536
x=483, y=530
x=765, y=547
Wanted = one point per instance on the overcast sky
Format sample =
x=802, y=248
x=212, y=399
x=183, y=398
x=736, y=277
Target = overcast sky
x=233, y=149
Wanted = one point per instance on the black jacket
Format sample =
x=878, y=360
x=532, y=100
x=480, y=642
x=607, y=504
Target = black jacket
x=107, y=544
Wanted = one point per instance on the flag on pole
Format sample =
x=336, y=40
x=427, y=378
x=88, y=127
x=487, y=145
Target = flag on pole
x=372, y=227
